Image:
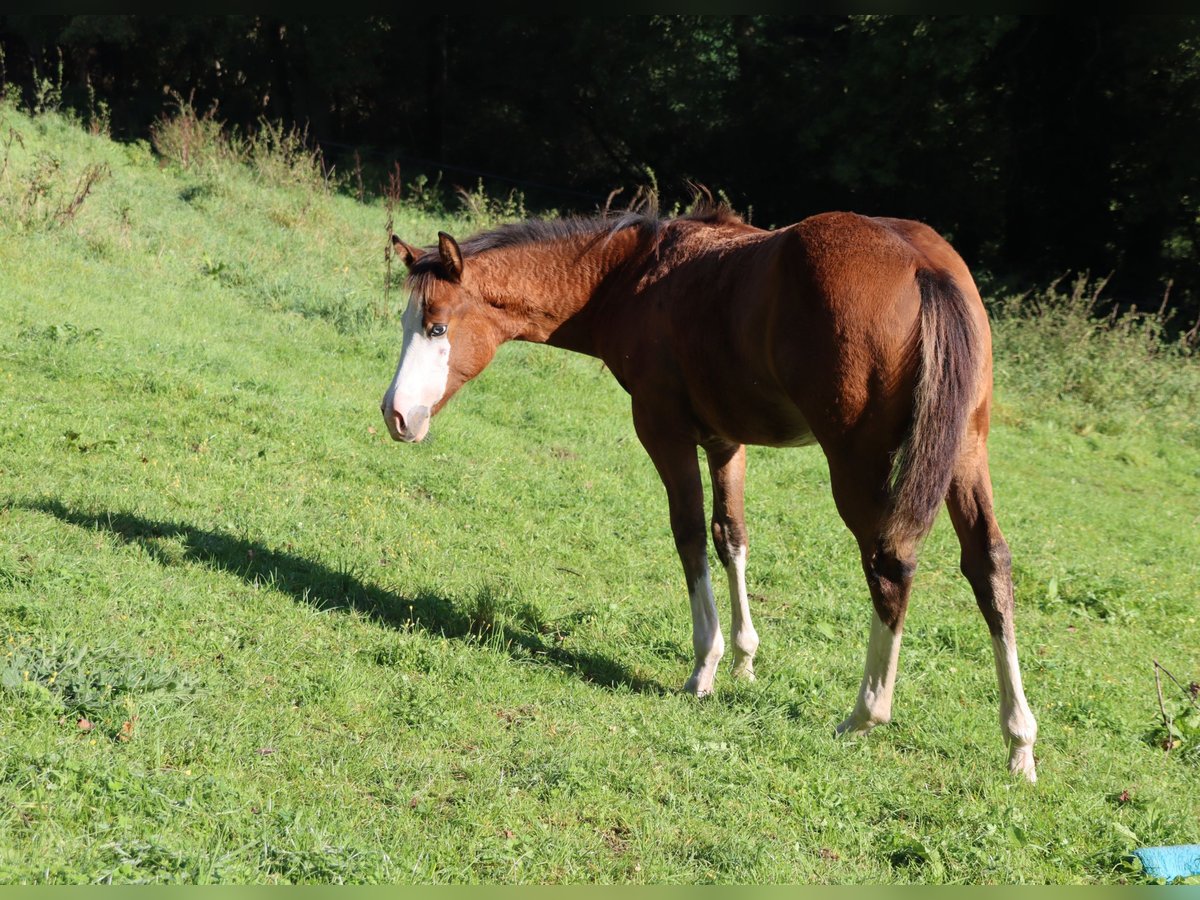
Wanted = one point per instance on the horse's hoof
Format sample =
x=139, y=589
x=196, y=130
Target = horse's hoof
x=744, y=672
x=1021, y=762
x=855, y=726
x=696, y=689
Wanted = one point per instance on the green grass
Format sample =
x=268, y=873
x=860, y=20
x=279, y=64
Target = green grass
x=306, y=654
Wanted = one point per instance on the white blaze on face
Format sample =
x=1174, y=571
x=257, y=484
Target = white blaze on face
x=420, y=380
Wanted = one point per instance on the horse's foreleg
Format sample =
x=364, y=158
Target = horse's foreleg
x=727, y=465
x=675, y=458
x=987, y=565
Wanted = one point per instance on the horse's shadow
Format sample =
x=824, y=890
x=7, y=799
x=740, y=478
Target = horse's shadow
x=325, y=588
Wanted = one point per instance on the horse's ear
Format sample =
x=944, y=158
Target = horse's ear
x=451, y=256
x=406, y=252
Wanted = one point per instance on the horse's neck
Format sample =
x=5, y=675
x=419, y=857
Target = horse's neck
x=543, y=292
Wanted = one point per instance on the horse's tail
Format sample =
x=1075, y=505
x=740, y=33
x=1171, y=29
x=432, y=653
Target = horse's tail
x=947, y=387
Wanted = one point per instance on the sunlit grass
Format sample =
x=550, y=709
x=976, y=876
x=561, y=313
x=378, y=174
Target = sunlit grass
x=344, y=660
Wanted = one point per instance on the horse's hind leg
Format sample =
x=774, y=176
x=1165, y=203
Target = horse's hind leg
x=860, y=492
x=727, y=465
x=987, y=565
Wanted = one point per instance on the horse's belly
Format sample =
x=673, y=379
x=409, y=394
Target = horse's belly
x=799, y=440
x=769, y=422
x=794, y=437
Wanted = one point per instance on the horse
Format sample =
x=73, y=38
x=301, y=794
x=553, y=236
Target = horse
x=866, y=336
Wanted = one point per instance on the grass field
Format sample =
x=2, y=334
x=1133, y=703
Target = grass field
x=248, y=639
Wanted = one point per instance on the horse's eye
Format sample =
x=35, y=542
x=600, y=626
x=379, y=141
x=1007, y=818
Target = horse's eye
x=437, y=330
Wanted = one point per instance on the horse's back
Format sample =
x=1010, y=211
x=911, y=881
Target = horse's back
x=807, y=332
x=867, y=265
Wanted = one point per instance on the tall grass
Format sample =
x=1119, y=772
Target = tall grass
x=1118, y=371
x=278, y=155
x=190, y=139
x=38, y=191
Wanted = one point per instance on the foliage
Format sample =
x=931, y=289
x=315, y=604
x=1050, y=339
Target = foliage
x=283, y=156
x=1039, y=143
x=487, y=212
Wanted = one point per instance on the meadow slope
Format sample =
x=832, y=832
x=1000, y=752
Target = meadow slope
x=248, y=639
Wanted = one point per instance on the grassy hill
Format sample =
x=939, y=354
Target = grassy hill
x=246, y=638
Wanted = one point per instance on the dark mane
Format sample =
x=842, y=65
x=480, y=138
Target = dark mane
x=704, y=210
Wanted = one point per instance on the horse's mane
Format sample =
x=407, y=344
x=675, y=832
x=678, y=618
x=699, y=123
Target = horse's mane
x=704, y=211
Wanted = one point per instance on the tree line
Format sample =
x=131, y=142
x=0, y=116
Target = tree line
x=1039, y=144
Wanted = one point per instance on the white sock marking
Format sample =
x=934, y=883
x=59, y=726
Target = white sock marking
x=1016, y=720
x=707, y=640
x=874, y=705
x=745, y=638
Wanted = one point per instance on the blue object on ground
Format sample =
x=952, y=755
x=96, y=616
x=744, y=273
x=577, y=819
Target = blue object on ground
x=1170, y=863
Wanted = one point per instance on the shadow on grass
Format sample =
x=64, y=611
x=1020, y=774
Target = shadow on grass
x=325, y=588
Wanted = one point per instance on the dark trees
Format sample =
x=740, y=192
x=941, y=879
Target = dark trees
x=1040, y=144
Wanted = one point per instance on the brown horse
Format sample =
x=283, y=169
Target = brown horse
x=864, y=335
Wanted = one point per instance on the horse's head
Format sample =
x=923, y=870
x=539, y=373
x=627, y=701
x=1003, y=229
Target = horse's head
x=449, y=336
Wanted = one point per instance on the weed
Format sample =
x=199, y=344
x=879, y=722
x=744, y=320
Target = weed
x=489, y=211
x=91, y=176
x=47, y=89
x=189, y=139
x=96, y=685
x=1089, y=596
x=323, y=865
x=99, y=116
x=11, y=136
x=59, y=333
x=42, y=197
x=360, y=192
x=423, y=194
x=284, y=157
x=278, y=155
x=1178, y=731
x=391, y=197
x=1121, y=369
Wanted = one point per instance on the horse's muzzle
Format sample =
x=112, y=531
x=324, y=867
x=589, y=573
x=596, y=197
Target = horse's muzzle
x=411, y=428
